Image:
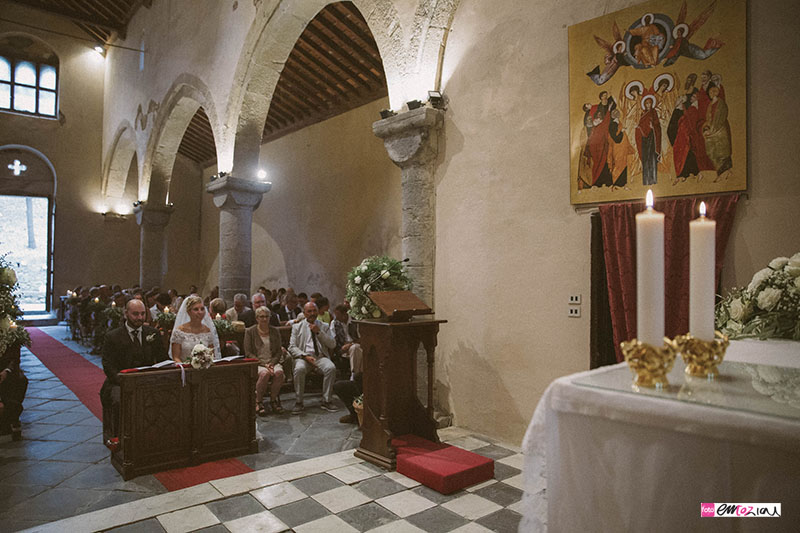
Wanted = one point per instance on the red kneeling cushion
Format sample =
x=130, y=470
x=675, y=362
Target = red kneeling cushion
x=441, y=467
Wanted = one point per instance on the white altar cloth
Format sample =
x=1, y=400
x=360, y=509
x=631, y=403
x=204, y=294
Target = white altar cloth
x=605, y=460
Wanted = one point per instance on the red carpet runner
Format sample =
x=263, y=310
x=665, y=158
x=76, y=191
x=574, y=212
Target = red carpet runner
x=85, y=379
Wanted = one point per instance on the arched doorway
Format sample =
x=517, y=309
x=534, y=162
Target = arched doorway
x=27, y=207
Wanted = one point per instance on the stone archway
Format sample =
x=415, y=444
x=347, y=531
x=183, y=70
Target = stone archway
x=187, y=94
x=271, y=38
x=119, y=162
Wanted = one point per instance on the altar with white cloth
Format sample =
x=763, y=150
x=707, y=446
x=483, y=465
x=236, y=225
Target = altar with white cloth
x=600, y=456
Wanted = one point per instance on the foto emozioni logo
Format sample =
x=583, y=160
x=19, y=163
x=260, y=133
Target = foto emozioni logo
x=740, y=510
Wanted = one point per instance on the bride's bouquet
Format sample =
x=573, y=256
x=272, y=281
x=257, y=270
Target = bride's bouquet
x=202, y=356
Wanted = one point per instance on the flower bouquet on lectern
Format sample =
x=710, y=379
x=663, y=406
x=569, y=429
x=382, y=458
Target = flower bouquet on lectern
x=374, y=274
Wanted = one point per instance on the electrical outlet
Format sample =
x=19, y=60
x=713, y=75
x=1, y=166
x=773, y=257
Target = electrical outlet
x=574, y=311
x=574, y=299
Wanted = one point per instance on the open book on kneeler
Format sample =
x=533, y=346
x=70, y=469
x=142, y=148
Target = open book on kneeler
x=442, y=467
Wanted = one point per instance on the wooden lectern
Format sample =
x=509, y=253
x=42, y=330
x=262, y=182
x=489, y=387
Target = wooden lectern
x=391, y=406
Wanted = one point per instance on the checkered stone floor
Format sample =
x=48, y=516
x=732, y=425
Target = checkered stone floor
x=305, y=478
x=333, y=493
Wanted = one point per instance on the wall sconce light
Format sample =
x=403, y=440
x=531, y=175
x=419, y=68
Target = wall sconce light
x=262, y=174
x=414, y=104
x=114, y=217
x=436, y=98
x=386, y=113
x=100, y=49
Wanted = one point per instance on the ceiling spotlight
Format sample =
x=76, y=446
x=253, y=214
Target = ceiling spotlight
x=100, y=50
x=262, y=174
x=414, y=104
x=386, y=113
x=436, y=99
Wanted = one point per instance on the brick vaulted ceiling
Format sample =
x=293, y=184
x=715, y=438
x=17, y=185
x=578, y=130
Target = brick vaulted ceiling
x=334, y=67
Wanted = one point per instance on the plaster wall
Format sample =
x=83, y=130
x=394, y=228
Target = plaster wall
x=184, y=265
x=511, y=249
x=73, y=146
x=766, y=224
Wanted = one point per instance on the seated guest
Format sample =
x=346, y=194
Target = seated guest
x=347, y=390
x=175, y=300
x=310, y=347
x=279, y=298
x=346, y=334
x=131, y=345
x=289, y=312
x=213, y=295
x=302, y=300
x=263, y=342
x=216, y=308
x=249, y=316
x=324, y=305
x=239, y=306
x=162, y=301
x=13, y=385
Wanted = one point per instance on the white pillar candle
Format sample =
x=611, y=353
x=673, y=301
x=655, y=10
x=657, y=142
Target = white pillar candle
x=650, y=275
x=702, y=266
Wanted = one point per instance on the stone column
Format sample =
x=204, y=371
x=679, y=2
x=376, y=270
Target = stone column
x=237, y=199
x=152, y=220
x=411, y=138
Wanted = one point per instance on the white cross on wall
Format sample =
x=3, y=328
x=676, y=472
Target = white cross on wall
x=17, y=167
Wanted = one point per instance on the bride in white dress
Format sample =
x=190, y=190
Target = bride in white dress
x=193, y=326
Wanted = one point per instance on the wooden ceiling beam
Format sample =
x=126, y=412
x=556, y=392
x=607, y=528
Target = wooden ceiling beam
x=356, y=69
x=289, y=91
x=331, y=85
x=368, y=41
x=288, y=107
x=352, y=74
x=308, y=90
x=70, y=14
x=278, y=114
x=325, y=69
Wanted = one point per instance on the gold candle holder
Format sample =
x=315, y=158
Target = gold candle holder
x=651, y=364
x=702, y=357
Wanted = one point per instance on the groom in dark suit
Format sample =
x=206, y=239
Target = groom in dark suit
x=129, y=346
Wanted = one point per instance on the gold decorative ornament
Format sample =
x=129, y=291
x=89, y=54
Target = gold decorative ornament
x=702, y=357
x=650, y=364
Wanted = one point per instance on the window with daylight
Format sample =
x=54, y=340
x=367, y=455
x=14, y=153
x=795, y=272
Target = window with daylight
x=28, y=77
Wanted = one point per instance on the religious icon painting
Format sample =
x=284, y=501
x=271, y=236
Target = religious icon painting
x=658, y=100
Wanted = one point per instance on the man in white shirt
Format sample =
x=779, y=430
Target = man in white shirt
x=310, y=347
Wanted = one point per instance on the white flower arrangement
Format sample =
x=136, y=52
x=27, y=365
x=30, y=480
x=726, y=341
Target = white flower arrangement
x=202, y=356
x=769, y=307
x=374, y=274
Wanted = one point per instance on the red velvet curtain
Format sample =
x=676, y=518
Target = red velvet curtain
x=619, y=247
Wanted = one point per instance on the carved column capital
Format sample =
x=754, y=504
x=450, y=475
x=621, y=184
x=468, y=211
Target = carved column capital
x=153, y=215
x=237, y=193
x=411, y=138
